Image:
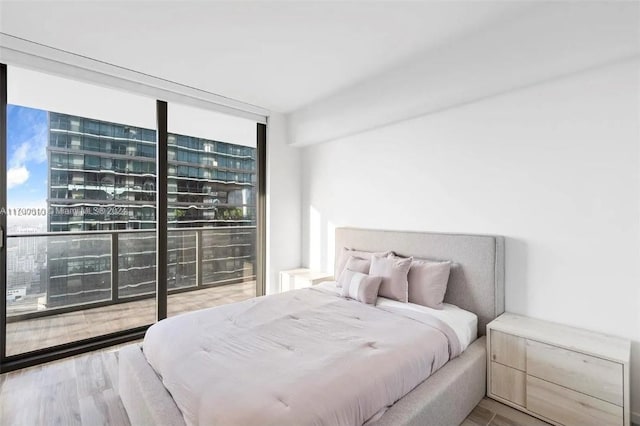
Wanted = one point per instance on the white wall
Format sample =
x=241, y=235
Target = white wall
x=283, y=202
x=555, y=168
x=550, y=39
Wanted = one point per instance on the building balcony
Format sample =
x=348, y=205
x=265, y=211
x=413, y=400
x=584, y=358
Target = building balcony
x=66, y=286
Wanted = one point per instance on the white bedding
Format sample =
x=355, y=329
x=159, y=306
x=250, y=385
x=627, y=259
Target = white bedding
x=464, y=323
x=300, y=357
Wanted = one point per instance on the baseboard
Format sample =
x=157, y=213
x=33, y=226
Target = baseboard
x=635, y=419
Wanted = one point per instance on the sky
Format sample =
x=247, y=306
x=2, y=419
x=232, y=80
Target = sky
x=26, y=160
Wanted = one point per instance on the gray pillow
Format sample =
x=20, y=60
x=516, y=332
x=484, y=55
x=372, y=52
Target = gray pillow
x=346, y=253
x=355, y=264
x=393, y=271
x=361, y=287
x=428, y=282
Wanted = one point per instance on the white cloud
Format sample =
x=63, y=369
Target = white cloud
x=31, y=150
x=17, y=176
x=35, y=149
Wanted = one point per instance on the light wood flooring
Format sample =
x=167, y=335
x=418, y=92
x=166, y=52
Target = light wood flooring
x=493, y=413
x=83, y=390
x=37, y=333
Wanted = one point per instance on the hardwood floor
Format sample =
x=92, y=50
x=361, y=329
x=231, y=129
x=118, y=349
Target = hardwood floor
x=493, y=413
x=24, y=336
x=76, y=391
x=83, y=390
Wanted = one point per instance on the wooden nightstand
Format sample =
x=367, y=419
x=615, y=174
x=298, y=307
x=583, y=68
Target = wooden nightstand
x=561, y=374
x=303, y=277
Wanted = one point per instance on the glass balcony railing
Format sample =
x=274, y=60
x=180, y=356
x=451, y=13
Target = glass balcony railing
x=56, y=272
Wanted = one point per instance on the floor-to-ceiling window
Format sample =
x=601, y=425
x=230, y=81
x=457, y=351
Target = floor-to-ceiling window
x=211, y=209
x=85, y=189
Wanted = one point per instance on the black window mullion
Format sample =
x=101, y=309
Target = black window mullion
x=261, y=216
x=3, y=215
x=162, y=172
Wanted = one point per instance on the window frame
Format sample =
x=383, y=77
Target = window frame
x=27, y=359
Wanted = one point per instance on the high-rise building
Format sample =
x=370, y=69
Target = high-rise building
x=102, y=177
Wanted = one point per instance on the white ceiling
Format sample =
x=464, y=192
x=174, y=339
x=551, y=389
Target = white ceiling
x=278, y=55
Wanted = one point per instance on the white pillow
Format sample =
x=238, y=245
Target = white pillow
x=359, y=286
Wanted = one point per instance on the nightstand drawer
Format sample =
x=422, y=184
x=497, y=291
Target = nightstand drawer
x=569, y=407
x=508, y=349
x=584, y=373
x=508, y=383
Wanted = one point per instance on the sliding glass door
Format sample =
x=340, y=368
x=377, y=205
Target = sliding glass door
x=211, y=211
x=80, y=176
x=89, y=208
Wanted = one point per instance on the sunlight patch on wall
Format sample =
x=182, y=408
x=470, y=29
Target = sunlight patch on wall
x=331, y=246
x=315, y=238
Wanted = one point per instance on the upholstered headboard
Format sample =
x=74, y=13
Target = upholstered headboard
x=476, y=282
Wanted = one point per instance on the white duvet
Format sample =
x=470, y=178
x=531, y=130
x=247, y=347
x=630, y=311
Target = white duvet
x=305, y=357
x=463, y=323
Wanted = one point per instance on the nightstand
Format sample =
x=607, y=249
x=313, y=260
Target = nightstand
x=301, y=278
x=560, y=374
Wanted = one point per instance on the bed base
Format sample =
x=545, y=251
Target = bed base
x=444, y=399
x=147, y=401
x=448, y=396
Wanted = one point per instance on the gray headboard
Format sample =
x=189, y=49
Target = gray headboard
x=476, y=282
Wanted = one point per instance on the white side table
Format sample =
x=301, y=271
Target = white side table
x=301, y=278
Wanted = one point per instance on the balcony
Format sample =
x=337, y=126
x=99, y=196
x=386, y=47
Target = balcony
x=67, y=286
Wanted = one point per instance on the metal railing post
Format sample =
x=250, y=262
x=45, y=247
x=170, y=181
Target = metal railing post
x=114, y=267
x=199, y=247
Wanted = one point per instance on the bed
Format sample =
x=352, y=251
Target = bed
x=476, y=284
